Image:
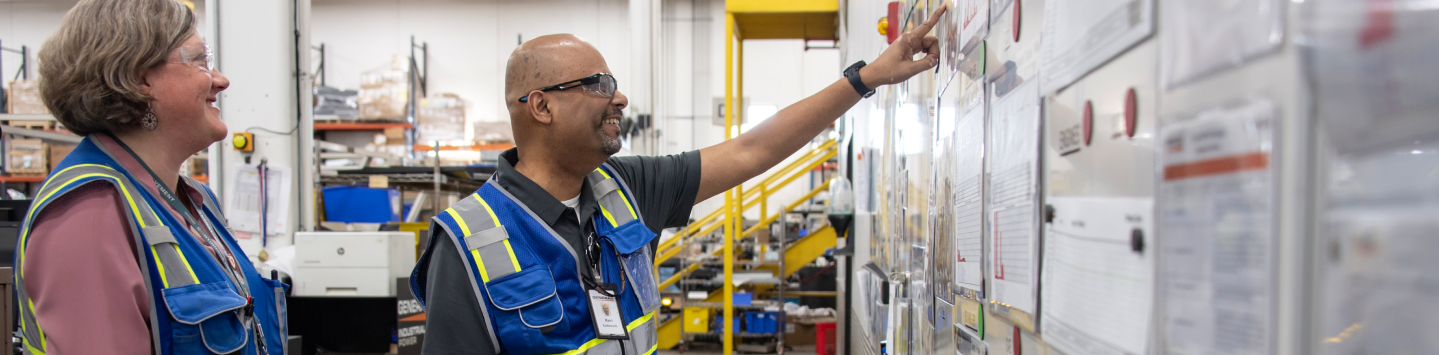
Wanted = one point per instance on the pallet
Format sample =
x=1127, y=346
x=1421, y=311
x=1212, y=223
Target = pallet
x=32, y=124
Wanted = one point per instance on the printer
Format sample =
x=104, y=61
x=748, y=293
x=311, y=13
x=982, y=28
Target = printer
x=351, y=264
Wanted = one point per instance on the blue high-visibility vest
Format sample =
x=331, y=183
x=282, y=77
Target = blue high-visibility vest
x=194, y=307
x=527, y=278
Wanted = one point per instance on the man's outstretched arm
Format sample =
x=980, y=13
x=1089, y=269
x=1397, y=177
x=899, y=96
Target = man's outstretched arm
x=733, y=162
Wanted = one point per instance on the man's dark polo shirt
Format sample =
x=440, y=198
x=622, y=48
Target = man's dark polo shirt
x=664, y=190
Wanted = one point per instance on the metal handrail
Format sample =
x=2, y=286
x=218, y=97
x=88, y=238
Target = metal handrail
x=692, y=267
x=760, y=192
x=827, y=148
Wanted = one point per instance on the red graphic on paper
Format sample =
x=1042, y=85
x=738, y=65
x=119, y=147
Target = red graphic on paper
x=998, y=250
x=1379, y=24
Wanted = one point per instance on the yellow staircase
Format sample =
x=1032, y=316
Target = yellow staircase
x=796, y=255
x=801, y=253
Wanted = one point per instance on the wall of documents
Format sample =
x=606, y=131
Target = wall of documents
x=1090, y=177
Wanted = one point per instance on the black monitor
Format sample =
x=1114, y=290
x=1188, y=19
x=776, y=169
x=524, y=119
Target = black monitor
x=11, y=213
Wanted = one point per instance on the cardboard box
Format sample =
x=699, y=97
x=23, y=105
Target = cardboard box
x=58, y=153
x=440, y=118
x=387, y=102
x=494, y=132
x=336, y=104
x=27, y=157
x=25, y=98
x=385, y=92
x=803, y=334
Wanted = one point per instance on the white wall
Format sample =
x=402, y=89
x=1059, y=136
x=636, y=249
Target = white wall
x=29, y=23
x=469, y=41
x=776, y=72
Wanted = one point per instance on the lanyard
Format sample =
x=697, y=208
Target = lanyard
x=221, y=249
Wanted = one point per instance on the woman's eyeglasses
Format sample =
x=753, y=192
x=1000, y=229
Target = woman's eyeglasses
x=602, y=84
x=197, y=55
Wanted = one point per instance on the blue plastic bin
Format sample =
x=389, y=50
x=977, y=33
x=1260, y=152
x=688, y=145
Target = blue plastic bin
x=353, y=204
x=762, y=322
x=742, y=298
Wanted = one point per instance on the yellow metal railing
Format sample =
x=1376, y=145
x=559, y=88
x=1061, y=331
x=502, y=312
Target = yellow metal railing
x=757, y=195
x=692, y=267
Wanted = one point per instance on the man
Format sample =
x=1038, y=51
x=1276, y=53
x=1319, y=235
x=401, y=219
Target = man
x=534, y=262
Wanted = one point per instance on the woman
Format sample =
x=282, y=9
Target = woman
x=118, y=253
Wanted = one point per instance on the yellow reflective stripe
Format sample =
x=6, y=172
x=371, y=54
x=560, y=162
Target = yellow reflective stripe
x=622, y=197
x=185, y=260
x=586, y=347
x=513, y=260
x=33, y=350
x=160, y=265
x=653, y=348
x=25, y=234
x=480, y=264
x=464, y=229
x=38, y=329
x=609, y=217
x=638, y=322
x=487, y=209
x=631, y=327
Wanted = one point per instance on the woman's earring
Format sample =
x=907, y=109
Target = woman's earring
x=149, y=121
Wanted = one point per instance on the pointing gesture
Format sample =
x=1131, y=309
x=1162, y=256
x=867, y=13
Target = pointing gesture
x=897, y=63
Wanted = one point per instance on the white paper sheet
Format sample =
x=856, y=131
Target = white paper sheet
x=1204, y=37
x=1098, y=289
x=962, y=29
x=244, y=209
x=1216, y=217
x=967, y=203
x=1378, y=293
x=1373, y=71
x=1012, y=208
x=1080, y=35
x=968, y=342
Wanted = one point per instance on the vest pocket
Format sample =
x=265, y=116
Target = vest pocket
x=529, y=293
x=207, y=311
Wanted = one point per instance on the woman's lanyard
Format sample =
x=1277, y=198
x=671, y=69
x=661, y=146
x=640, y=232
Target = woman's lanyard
x=222, y=250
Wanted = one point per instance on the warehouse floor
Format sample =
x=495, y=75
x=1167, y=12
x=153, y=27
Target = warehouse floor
x=797, y=350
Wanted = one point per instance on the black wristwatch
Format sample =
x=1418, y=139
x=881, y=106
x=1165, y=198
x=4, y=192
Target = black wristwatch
x=852, y=73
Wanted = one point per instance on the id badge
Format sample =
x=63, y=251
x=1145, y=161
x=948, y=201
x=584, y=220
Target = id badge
x=639, y=270
x=605, y=313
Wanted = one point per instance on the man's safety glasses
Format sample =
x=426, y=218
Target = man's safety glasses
x=197, y=55
x=602, y=84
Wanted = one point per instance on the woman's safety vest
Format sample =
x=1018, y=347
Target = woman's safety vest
x=194, y=306
x=533, y=298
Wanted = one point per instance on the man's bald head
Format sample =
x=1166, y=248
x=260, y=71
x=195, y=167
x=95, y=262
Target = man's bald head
x=548, y=60
x=566, y=127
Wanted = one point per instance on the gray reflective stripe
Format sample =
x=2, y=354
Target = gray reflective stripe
x=606, y=348
x=474, y=214
x=474, y=279
x=574, y=256
x=495, y=258
x=282, y=320
x=209, y=202
x=52, y=191
x=607, y=193
x=604, y=187
x=643, y=338
x=159, y=235
x=176, y=272
x=638, y=214
x=486, y=237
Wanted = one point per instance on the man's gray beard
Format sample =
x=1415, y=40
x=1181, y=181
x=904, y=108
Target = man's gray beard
x=610, y=145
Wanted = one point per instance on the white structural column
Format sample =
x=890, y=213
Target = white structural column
x=640, y=87
x=256, y=44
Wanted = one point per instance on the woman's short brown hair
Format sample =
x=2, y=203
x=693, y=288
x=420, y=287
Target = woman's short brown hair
x=91, y=68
